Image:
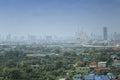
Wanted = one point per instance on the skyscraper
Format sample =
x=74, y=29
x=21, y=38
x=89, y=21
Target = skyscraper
x=8, y=37
x=105, y=33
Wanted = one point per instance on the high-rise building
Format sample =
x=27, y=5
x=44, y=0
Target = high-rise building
x=105, y=33
x=8, y=37
x=31, y=38
x=48, y=39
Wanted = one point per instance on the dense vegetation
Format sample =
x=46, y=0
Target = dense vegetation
x=16, y=65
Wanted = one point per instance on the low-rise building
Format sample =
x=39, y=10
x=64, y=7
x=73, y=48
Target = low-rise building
x=101, y=69
x=114, y=56
x=93, y=64
x=92, y=77
x=79, y=63
x=116, y=63
x=111, y=76
x=102, y=64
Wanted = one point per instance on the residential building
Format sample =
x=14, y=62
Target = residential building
x=102, y=64
x=116, y=63
x=93, y=64
x=79, y=63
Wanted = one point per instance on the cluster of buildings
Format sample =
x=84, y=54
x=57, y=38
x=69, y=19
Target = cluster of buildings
x=94, y=77
x=116, y=61
x=96, y=70
x=81, y=37
x=104, y=39
x=13, y=40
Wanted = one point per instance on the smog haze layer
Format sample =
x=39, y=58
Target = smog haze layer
x=58, y=17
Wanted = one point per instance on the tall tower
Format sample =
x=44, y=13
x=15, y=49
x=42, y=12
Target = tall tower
x=105, y=33
x=81, y=36
x=8, y=37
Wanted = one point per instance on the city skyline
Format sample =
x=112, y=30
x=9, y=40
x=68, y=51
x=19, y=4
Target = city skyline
x=58, y=17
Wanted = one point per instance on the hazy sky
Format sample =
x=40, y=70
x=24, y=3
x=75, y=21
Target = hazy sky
x=58, y=17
